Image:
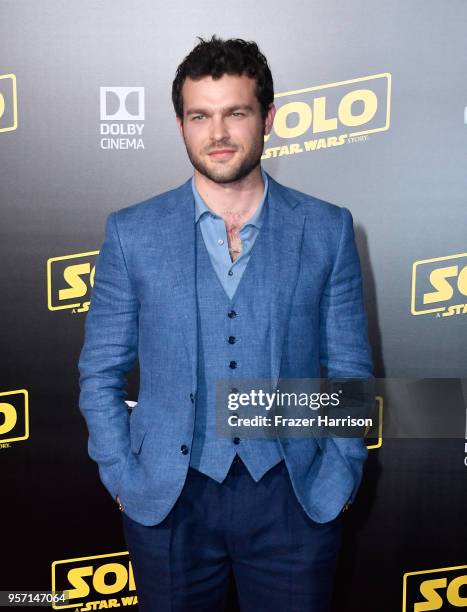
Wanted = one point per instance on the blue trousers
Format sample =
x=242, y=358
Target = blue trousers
x=281, y=560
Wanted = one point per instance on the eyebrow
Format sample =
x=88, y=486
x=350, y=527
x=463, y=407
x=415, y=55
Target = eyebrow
x=228, y=109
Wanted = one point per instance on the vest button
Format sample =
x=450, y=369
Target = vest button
x=233, y=365
x=231, y=314
x=192, y=398
x=232, y=339
x=236, y=440
x=184, y=449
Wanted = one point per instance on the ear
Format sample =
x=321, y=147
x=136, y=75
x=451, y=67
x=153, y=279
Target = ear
x=269, y=120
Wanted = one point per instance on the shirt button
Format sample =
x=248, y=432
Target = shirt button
x=232, y=339
x=184, y=449
x=231, y=314
x=236, y=440
x=230, y=273
x=220, y=241
x=233, y=365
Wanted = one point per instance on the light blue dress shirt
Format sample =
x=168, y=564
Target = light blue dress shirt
x=215, y=238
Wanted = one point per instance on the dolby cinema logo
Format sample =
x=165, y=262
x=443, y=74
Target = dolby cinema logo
x=122, y=118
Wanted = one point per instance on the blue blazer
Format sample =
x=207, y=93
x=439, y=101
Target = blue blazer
x=143, y=307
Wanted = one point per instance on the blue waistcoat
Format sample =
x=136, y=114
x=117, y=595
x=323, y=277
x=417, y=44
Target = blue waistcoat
x=250, y=352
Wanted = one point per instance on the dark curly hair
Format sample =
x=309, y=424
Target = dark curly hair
x=217, y=57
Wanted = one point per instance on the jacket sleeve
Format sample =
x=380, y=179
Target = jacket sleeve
x=344, y=347
x=110, y=350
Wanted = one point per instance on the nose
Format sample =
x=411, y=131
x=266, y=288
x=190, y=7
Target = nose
x=219, y=130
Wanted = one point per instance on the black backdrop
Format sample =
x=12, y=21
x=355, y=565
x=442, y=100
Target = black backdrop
x=402, y=176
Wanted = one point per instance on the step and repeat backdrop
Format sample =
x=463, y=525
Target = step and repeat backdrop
x=372, y=113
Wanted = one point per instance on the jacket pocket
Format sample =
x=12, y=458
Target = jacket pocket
x=137, y=435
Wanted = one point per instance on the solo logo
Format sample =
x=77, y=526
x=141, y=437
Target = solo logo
x=438, y=589
x=374, y=435
x=439, y=285
x=70, y=279
x=8, y=103
x=126, y=105
x=94, y=583
x=14, y=416
x=329, y=115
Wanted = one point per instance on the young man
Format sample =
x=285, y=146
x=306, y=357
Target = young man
x=229, y=276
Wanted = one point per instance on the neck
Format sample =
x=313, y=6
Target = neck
x=235, y=202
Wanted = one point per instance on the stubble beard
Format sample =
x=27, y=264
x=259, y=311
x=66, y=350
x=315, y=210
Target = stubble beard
x=226, y=173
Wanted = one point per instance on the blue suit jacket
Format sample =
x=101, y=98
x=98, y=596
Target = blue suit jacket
x=143, y=307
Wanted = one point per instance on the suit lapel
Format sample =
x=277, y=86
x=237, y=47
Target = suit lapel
x=179, y=236
x=286, y=234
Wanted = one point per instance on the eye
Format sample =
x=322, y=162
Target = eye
x=196, y=117
x=238, y=114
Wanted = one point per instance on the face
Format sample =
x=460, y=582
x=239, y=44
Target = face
x=222, y=126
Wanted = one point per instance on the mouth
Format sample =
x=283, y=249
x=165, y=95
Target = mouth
x=221, y=153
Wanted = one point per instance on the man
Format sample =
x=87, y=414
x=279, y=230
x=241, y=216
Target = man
x=229, y=276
